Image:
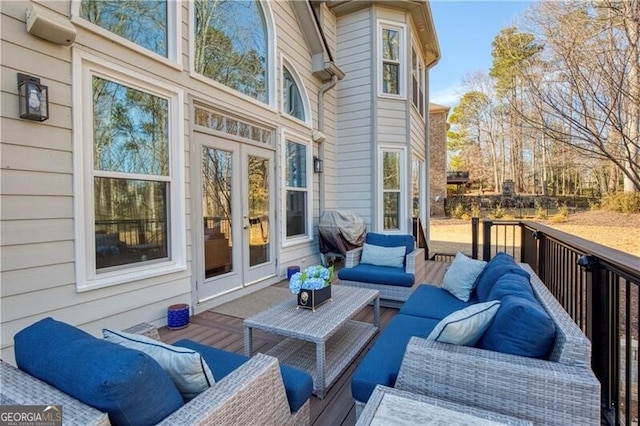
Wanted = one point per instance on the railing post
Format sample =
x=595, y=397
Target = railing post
x=598, y=329
x=475, y=221
x=486, y=239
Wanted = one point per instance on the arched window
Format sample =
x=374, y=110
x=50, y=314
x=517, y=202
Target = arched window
x=231, y=45
x=291, y=98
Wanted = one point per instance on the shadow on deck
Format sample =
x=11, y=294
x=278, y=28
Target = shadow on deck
x=226, y=332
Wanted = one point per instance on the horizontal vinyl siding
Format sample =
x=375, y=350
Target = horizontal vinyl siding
x=355, y=125
x=392, y=121
x=418, y=141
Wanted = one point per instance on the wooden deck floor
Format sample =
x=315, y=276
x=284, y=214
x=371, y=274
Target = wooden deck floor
x=226, y=332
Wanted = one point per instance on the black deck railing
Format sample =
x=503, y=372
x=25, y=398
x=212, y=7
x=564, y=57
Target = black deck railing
x=598, y=286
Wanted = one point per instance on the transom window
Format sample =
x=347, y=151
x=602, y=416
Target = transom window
x=297, y=187
x=142, y=22
x=291, y=98
x=391, y=54
x=231, y=45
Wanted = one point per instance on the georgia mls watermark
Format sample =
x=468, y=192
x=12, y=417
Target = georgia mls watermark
x=30, y=415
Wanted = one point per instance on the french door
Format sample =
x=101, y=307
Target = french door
x=236, y=210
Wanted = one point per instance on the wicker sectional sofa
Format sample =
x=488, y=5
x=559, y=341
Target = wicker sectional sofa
x=252, y=392
x=556, y=388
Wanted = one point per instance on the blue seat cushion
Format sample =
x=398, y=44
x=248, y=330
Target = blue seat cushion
x=128, y=385
x=377, y=275
x=297, y=384
x=382, y=363
x=512, y=284
x=520, y=327
x=497, y=267
x=391, y=240
x=429, y=301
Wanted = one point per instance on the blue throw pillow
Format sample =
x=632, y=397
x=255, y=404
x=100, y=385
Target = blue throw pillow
x=126, y=384
x=497, y=267
x=392, y=257
x=520, y=327
x=391, y=240
x=466, y=326
x=462, y=275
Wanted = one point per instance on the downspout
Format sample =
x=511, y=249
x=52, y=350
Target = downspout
x=325, y=88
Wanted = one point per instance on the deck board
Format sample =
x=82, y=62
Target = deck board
x=226, y=332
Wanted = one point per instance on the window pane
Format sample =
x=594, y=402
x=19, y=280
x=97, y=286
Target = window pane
x=391, y=170
x=292, y=99
x=296, y=165
x=296, y=213
x=142, y=22
x=231, y=45
x=130, y=130
x=130, y=221
x=391, y=208
x=258, y=200
x=391, y=78
x=390, y=44
x=216, y=207
x=416, y=184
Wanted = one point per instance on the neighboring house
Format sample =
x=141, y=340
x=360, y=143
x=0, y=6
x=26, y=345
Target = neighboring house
x=438, y=128
x=177, y=163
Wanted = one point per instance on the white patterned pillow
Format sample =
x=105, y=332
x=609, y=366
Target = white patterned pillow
x=383, y=256
x=461, y=276
x=186, y=367
x=466, y=326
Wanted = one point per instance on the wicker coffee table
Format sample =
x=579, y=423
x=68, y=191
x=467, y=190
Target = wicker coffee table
x=322, y=343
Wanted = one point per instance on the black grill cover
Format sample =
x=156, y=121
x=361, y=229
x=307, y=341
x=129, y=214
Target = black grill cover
x=340, y=231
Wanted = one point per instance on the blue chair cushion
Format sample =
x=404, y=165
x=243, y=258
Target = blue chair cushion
x=497, y=267
x=130, y=386
x=377, y=275
x=382, y=363
x=520, y=327
x=429, y=301
x=297, y=384
x=391, y=240
x=512, y=284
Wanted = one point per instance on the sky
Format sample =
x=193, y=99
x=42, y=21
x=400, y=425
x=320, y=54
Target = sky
x=465, y=30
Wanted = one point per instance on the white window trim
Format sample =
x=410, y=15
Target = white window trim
x=402, y=72
x=302, y=140
x=174, y=34
x=402, y=219
x=301, y=88
x=85, y=66
x=271, y=61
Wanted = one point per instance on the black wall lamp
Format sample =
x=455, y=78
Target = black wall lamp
x=33, y=98
x=318, y=166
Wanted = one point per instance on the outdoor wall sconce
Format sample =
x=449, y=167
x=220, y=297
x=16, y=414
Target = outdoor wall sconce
x=33, y=98
x=318, y=166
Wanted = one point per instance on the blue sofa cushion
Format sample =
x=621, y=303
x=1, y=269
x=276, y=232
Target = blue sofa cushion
x=512, y=284
x=391, y=240
x=130, y=386
x=297, y=384
x=382, y=363
x=377, y=275
x=497, y=267
x=520, y=327
x=429, y=301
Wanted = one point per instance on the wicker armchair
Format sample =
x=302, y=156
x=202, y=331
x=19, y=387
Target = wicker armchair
x=561, y=390
x=252, y=394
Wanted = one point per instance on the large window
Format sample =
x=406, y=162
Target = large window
x=231, y=45
x=297, y=187
x=291, y=98
x=128, y=187
x=418, y=76
x=392, y=59
x=391, y=189
x=417, y=185
x=146, y=23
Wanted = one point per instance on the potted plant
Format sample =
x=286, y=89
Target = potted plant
x=313, y=286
